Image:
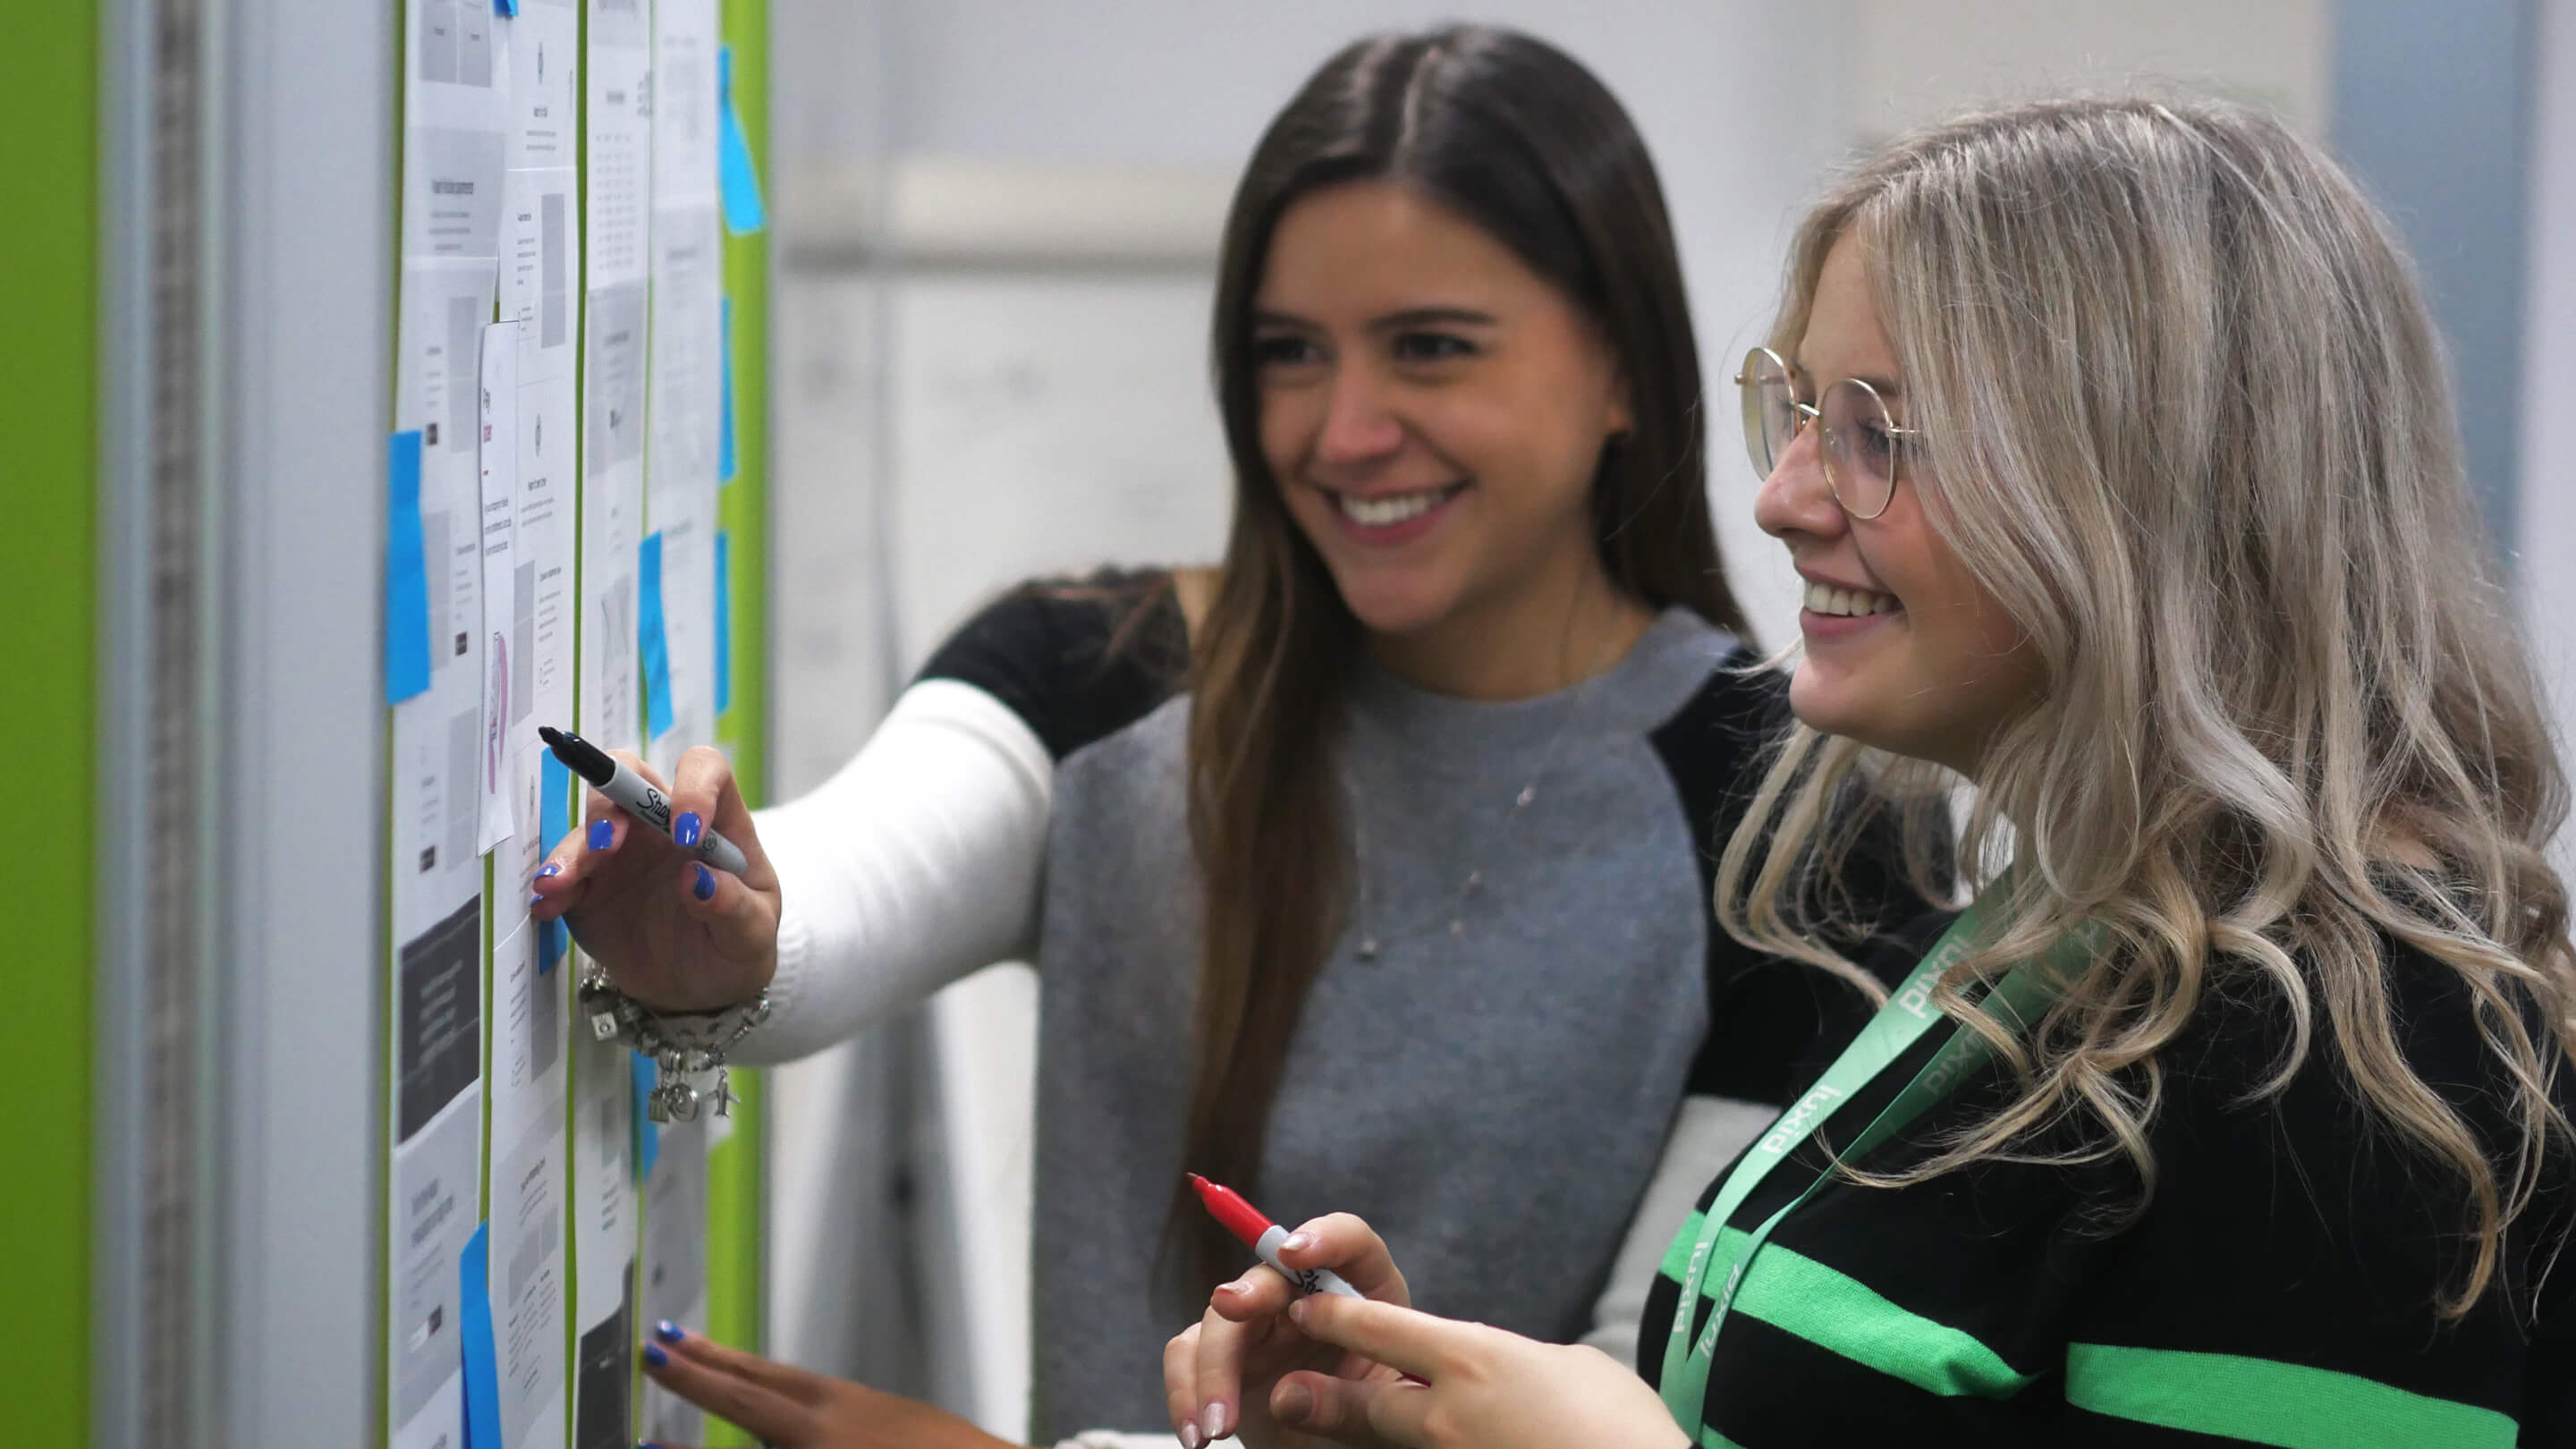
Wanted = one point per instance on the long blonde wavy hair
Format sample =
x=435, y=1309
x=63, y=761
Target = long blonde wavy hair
x=2189, y=424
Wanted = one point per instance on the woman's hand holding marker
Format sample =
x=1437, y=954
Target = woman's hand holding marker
x=673, y=931
x=1218, y=1374
x=1282, y=1367
x=1466, y=1386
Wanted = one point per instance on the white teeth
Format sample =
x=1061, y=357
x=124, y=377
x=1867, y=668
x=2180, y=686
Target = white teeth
x=1389, y=511
x=1824, y=599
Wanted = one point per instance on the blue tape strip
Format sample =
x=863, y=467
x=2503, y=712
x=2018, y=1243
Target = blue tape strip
x=650, y=638
x=648, y=1134
x=742, y=210
x=725, y=464
x=554, y=822
x=554, y=803
x=482, y=1358
x=724, y=621
x=406, y=573
x=554, y=938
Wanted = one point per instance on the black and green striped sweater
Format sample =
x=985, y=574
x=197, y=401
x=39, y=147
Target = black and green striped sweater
x=2278, y=1288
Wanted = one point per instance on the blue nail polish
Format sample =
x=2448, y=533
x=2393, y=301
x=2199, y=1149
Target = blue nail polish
x=706, y=887
x=668, y=1332
x=654, y=1355
x=684, y=830
x=551, y=870
x=535, y=901
x=601, y=832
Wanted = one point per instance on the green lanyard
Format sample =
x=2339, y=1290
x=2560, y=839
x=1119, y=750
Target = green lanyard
x=1897, y=1026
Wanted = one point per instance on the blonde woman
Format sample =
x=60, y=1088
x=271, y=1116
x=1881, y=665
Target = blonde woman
x=2114, y=443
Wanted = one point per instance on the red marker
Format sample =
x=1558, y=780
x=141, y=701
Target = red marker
x=1263, y=1236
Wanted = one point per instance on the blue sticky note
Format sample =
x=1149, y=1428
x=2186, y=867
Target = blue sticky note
x=648, y=1133
x=724, y=621
x=725, y=468
x=482, y=1358
x=554, y=799
x=650, y=638
x=554, y=822
x=406, y=574
x=741, y=179
x=506, y=7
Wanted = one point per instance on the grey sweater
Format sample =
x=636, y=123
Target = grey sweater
x=1491, y=1087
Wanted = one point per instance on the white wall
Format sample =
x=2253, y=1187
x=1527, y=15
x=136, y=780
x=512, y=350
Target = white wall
x=2546, y=568
x=834, y=1216
x=1915, y=62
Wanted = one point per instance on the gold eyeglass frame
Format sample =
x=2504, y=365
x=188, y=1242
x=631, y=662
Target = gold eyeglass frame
x=1800, y=415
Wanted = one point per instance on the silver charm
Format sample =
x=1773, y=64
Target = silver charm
x=673, y=1098
x=599, y=1002
x=673, y=1101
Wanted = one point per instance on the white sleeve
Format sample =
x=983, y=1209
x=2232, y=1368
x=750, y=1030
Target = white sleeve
x=1706, y=1135
x=916, y=864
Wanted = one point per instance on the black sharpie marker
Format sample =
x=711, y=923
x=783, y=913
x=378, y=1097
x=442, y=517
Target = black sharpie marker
x=634, y=794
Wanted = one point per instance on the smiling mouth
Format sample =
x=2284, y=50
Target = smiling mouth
x=1386, y=510
x=1849, y=603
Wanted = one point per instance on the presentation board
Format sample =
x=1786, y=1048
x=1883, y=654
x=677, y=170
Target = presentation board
x=573, y=483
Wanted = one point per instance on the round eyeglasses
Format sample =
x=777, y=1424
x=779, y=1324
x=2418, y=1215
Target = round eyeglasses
x=1865, y=454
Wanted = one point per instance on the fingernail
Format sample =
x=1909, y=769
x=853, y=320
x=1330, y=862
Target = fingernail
x=669, y=1332
x=1296, y=1242
x=1212, y=1419
x=550, y=870
x=601, y=832
x=1189, y=1436
x=684, y=831
x=535, y=901
x=1292, y=1402
x=706, y=887
x=654, y=1355
x=1297, y=1312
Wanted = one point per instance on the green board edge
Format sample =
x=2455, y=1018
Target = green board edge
x=49, y=323
x=734, y=1175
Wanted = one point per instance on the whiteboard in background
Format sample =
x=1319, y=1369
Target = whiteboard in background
x=1046, y=425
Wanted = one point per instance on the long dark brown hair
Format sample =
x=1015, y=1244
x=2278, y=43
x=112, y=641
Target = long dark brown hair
x=1514, y=135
